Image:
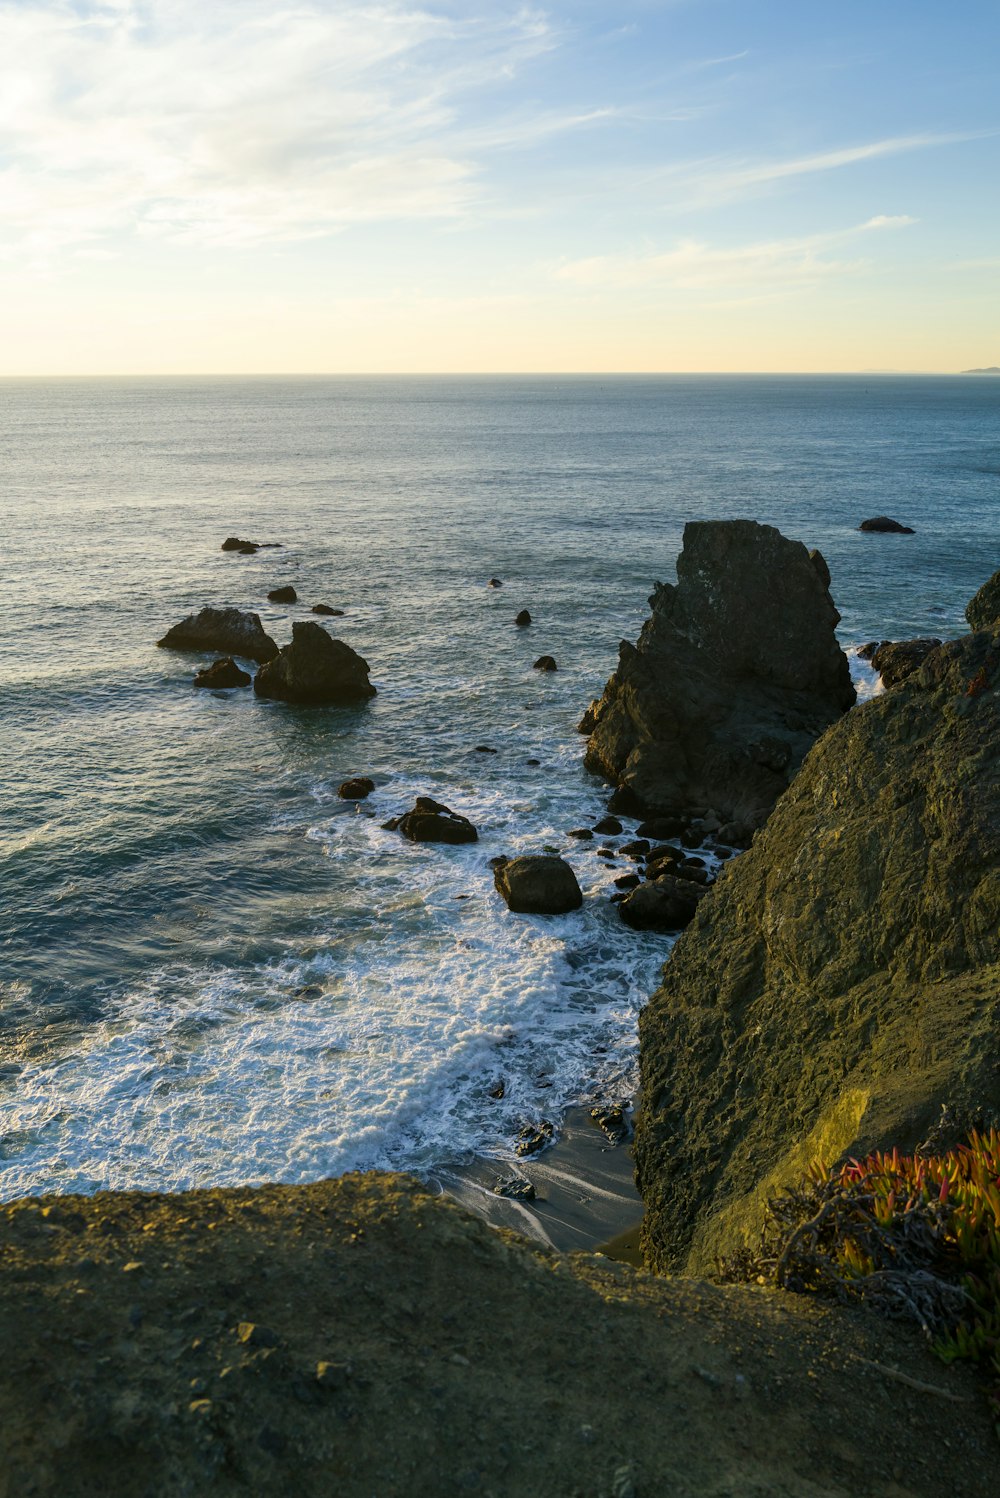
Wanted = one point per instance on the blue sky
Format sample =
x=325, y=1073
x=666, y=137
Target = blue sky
x=703, y=184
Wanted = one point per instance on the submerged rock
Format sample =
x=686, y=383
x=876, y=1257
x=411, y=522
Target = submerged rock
x=315, y=669
x=226, y=630
x=431, y=821
x=222, y=674
x=286, y=594
x=356, y=789
x=984, y=609
x=735, y=674
x=234, y=543
x=545, y=663
x=896, y=660
x=324, y=608
x=840, y=985
x=537, y=884
x=885, y=526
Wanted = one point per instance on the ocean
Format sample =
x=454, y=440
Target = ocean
x=213, y=970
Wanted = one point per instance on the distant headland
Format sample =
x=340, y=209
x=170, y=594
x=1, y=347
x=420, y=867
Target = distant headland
x=992, y=369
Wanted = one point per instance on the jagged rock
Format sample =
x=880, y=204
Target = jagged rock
x=315, y=669
x=588, y=722
x=432, y=822
x=286, y=594
x=234, y=543
x=324, y=608
x=533, y=1138
x=226, y=630
x=537, y=884
x=612, y=1121
x=885, y=526
x=895, y=661
x=984, y=609
x=223, y=674
x=514, y=1188
x=523, y=618
x=356, y=789
x=735, y=674
x=663, y=904
x=841, y=982
x=545, y=663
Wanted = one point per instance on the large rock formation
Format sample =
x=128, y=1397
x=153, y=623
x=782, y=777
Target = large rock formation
x=537, y=884
x=984, y=609
x=228, y=631
x=735, y=674
x=315, y=669
x=839, y=990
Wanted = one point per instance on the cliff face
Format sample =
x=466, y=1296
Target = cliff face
x=841, y=984
x=735, y=674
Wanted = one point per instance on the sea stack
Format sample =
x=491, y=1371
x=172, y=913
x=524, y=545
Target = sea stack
x=735, y=674
x=315, y=669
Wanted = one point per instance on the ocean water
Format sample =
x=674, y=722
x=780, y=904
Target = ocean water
x=212, y=970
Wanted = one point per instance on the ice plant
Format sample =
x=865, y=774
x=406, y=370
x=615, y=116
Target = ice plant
x=915, y=1236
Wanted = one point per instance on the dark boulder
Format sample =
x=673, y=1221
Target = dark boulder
x=628, y=881
x=735, y=674
x=661, y=828
x=608, y=827
x=984, y=609
x=234, y=543
x=612, y=1120
x=895, y=661
x=884, y=526
x=356, y=789
x=523, y=618
x=545, y=663
x=223, y=674
x=583, y=833
x=286, y=594
x=534, y=1137
x=432, y=822
x=324, y=608
x=494, y=582
x=839, y=988
x=538, y=885
x=225, y=630
x=663, y=904
x=315, y=669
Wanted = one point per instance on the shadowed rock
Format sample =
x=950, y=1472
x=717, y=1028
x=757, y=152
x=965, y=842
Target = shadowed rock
x=662, y=904
x=546, y=663
x=324, y=608
x=537, y=885
x=286, y=594
x=356, y=789
x=984, y=609
x=315, y=669
x=523, y=618
x=885, y=526
x=735, y=674
x=840, y=985
x=223, y=674
x=226, y=630
x=896, y=660
x=431, y=821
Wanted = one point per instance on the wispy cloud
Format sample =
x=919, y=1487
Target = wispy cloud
x=238, y=122
x=693, y=265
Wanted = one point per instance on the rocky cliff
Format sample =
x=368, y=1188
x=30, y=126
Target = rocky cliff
x=839, y=989
x=735, y=674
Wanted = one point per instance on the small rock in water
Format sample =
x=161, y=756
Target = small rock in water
x=494, y=582
x=223, y=674
x=636, y=849
x=533, y=1138
x=536, y=885
x=498, y=1090
x=324, y=608
x=545, y=663
x=533, y=762
x=286, y=594
x=523, y=618
x=356, y=789
x=432, y=822
x=628, y=881
x=608, y=826
x=583, y=833
x=484, y=749
x=885, y=526
x=235, y=543
x=514, y=1188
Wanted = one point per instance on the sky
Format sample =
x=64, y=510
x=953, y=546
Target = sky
x=229, y=186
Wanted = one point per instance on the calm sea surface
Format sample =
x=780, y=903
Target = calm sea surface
x=213, y=970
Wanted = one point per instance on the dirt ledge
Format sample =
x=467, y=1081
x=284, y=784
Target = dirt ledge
x=359, y=1337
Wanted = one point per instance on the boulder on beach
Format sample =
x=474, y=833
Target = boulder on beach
x=315, y=669
x=984, y=609
x=356, y=789
x=226, y=630
x=545, y=663
x=895, y=660
x=537, y=884
x=324, y=608
x=884, y=526
x=523, y=618
x=285, y=594
x=735, y=674
x=838, y=990
x=431, y=821
x=222, y=674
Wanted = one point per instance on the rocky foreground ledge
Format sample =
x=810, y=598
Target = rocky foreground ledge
x=360, y=1337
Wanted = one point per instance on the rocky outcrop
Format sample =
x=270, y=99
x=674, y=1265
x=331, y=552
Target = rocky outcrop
x=431, y=821
x=226, y=630
x=883, y=525
x=895, y=660
x=222, y=675
x=735, y=674
x=538, y=884
x=839, y=989
x=984, y=610
x=315, y=669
